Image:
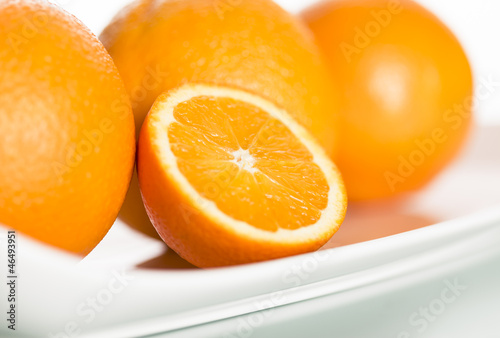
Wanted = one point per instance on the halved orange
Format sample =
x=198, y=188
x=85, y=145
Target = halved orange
x=229, y=178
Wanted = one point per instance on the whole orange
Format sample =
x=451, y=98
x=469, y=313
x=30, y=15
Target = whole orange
x=251, y=44
x=67, y=139
x=406, y=90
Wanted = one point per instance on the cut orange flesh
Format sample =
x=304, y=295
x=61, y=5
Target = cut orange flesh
x=229, y=178
x=251, y=166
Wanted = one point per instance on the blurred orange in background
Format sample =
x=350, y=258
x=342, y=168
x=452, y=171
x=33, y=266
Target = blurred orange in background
x=405, y=90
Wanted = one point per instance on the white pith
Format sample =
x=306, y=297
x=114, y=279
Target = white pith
x=244, y=160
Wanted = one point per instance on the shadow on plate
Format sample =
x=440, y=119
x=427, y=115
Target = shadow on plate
x=168, y=260
x=133, y=213
x=373, y=220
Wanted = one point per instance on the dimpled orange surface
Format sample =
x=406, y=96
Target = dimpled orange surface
x=66, y=128
x=228, y=178
x=406, y=92
x=250, y=44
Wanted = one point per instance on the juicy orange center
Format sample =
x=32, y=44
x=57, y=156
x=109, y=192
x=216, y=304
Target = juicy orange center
x=248, y=163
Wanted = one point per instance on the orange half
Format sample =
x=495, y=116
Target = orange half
x=229, y=178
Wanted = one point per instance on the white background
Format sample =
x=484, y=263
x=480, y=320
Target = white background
x=475, y=22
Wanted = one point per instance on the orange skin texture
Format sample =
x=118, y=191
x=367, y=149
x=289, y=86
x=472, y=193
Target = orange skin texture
x=410, y=81
x=253, y=45
x=67, y=130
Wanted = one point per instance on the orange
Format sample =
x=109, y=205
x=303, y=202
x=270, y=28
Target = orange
x=229, y=178
x=406, y=92
x=66, y=128
x=251, y=44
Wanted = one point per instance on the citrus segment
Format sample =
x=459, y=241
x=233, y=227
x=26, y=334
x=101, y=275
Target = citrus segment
x=258, y=181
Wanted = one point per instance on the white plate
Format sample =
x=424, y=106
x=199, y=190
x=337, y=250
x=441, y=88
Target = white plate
x=387, y=262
